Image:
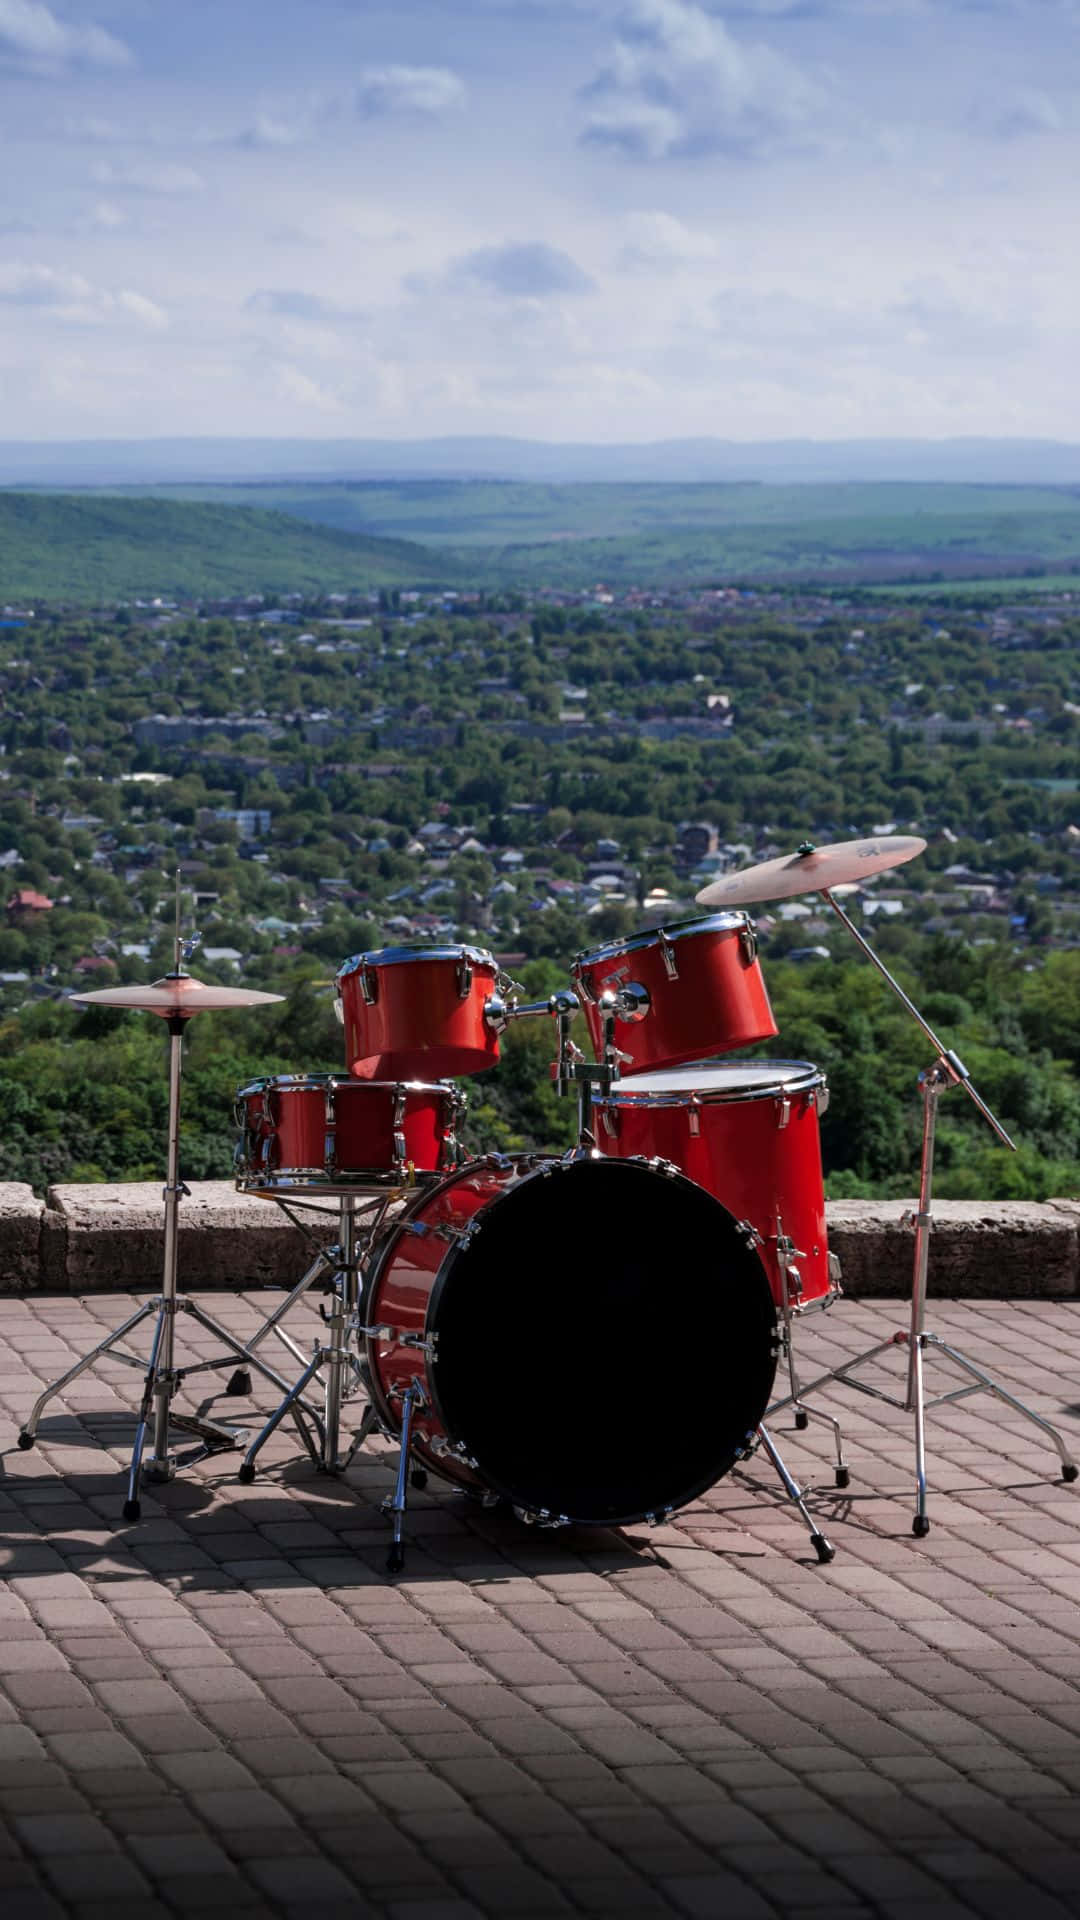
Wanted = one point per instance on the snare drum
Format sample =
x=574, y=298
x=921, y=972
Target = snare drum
x=594, y=1340
x=688, y=991
x=428, y=1012
x=747, y=1132
x=319, y=1132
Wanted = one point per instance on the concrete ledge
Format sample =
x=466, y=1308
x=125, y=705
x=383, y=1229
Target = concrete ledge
x=979, y=1249
x=20, y=1238
x=108, y=1237
x=100, y=1238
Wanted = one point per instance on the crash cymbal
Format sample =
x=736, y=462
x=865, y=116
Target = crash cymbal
x=811, y=870
x=176, y=993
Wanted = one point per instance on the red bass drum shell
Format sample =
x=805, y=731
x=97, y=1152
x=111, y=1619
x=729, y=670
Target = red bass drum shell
x=556, y=1317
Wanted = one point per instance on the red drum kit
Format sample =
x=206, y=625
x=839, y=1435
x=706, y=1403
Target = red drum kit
x=467, y=1293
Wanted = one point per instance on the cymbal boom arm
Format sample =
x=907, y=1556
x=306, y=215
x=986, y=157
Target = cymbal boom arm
x=952, y=1067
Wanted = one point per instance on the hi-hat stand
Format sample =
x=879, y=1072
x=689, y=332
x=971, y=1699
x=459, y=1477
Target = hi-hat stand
x=177, y=997
x=946, y=1071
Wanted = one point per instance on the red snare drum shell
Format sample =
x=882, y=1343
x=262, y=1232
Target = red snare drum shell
x=747, y=1131
x=322, y=1132
x=418, y=1013
x=706, y=992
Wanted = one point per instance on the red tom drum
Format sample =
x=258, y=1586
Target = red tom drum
x=681, y=992
x=593, y=1339
x=748, y=1132
x=319, y=1132
x=425, y=1012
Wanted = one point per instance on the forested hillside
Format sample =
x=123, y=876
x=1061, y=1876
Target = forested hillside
x=93, y=549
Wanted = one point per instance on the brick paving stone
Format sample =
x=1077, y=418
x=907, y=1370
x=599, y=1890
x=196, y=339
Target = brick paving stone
x=241, y=1690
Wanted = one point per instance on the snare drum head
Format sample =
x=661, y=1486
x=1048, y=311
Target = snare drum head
x=606, y=1341
x=720, y=1080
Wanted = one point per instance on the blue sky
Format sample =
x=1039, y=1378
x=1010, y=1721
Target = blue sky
x=565, y=219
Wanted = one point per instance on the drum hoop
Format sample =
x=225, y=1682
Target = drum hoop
x=336, y=1080
x=682, y=930
x=318, y=1080
x=624, y=1094
x=329, y=1082
x=349, y=1179
x=400, y=956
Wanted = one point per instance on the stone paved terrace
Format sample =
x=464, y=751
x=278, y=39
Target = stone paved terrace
x=229, y=1708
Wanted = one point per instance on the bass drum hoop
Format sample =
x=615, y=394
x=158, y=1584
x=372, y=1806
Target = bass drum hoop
x=454, y=1463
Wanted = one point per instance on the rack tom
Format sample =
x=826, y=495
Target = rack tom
x=424, y=1012
x=684, y=992
x=322, y=1133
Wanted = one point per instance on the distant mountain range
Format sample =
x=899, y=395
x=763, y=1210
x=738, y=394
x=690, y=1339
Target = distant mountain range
x=89, y=463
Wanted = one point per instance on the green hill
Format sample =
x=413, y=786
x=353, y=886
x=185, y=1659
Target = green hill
x=515, y=533
x=94, y=549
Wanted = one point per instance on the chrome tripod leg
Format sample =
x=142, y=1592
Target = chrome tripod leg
x=920, y=1525
x=822, y=1547
x=411, y=1399
x=246, y=1470
x=151, y=1389
x=28, y=1433
x=804, y=1414
x=1069, y=1468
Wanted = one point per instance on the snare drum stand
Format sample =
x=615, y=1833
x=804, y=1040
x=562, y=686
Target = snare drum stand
x=947, y=1071
x=343, y=1265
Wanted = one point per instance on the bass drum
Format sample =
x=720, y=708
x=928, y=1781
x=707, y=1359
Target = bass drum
x=593, y=1339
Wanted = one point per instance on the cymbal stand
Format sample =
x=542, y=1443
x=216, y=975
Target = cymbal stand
x=163, y=1377
x=946, y=1071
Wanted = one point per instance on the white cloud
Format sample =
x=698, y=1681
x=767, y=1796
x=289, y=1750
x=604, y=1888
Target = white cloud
x=106, y=217
x=166, y=180
x=425, y=90
x=660, y=240
x=34, y=36
x=299, y=388
x=72, y=298
x=678, y=82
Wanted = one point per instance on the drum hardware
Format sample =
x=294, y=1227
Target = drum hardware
x=336, y=1361
x=667, y=954
x=822, y=1546
x=818, y=870
x=791, y=1304
x=176, y=998
x=542, y=1517
x=413, y=1398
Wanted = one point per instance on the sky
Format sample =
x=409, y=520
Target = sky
x=602, y=220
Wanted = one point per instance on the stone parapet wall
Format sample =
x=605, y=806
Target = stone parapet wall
x=108, y=1237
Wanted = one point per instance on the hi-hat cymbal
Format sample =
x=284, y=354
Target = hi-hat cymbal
x=811, y=871
x=177, y=993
